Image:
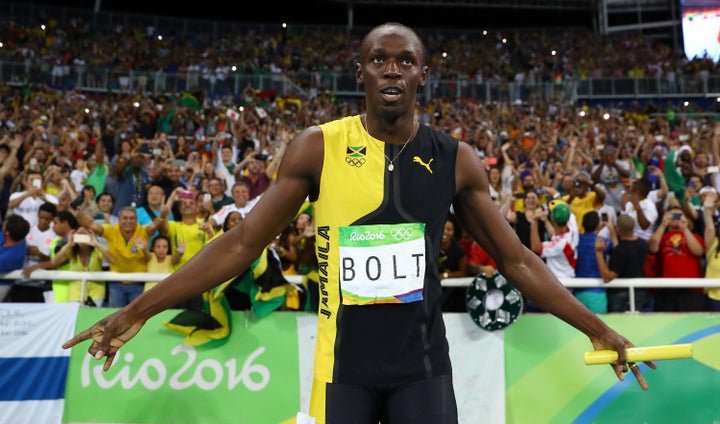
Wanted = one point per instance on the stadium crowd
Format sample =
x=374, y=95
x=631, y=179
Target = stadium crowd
x=139, y=182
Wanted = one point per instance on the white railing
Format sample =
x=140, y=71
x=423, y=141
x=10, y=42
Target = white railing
x=630, y=283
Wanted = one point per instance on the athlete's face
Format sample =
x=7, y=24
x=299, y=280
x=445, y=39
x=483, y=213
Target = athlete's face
x=391, y=68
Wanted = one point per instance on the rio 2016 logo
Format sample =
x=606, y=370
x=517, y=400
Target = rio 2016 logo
x=152, y=374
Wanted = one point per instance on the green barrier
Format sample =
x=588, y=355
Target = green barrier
x=256, y=376
x=547, y=381
x=252, y=378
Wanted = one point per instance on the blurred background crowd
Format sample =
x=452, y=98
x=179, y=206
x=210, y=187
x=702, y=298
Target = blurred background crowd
x=118, y=175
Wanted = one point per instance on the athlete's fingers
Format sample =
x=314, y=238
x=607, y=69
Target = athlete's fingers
x=79, y=338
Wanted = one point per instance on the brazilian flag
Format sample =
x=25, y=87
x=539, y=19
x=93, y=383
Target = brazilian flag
x=190, y=101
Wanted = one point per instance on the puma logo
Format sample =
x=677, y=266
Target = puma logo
x=417, y=159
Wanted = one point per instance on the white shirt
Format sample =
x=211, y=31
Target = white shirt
x=30, y=206
x=41, y=240
x=219, y=216
x=560, y=253
x=650, y=210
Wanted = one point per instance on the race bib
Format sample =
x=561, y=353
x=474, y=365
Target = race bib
x=382, y=263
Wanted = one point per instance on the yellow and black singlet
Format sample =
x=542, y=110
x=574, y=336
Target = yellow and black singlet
x=378, y=236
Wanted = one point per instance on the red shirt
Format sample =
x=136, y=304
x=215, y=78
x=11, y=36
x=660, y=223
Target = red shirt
x=675, y=259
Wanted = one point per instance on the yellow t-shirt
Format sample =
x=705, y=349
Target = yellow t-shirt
x=94, y=289
x=580, y=206
x=128, y=258
x=153, y=265
x=192, y=235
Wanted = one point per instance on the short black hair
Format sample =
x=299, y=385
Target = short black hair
x=16, y=227
x=67, y=216
x=590, y=221
x=48, y=207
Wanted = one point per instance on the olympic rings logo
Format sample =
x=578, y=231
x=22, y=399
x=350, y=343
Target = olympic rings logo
x=356, y=162
x=401, y=233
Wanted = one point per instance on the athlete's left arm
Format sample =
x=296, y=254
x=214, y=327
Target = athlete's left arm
x=479, y=215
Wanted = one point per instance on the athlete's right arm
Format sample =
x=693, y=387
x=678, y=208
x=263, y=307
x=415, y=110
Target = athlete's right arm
x=224, y=257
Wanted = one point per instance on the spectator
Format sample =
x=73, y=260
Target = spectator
x=161, y=258
x=167, y=177
x=594, y=298
x=27, y=203
x=216, y=187
x=83, y=253
x=452, y=263
x=63, y=223
x=188, y=230
x=584, y=197
x=13, y=248
x=521, y=221
x=609, y=173
x=527, y=185
x=152, y=207
x=560, y=252
x=8, y=169
x=627, y=259
x=254, y=174
x=241, y=203
x=132, y=181
x=478, y=260
x=679, y=251
x=41, y=235
x=640, y=205
x=126, y=243
x=85, y=202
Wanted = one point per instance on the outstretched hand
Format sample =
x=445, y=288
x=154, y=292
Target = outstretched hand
x=108, y=335
x=618, y=343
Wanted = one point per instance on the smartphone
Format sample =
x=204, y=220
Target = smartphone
x=492, y=161
x=677, y=215
x=186, y=195
x=604, y=217
x=207, y=197
x=713, y=169
x=33, y=161
x=81, y=238
x=519, y=195
x=37, y=183
x=157, y=152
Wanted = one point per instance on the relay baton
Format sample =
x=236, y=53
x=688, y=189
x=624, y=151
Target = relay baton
x=641, y=354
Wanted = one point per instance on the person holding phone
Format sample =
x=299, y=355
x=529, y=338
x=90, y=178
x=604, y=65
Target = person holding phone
x=679, y=251
x=27, y=203
x=84, y=253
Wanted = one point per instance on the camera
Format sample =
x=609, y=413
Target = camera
x=677, y=215
x=261, y=157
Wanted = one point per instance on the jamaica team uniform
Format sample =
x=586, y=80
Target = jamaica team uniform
x=378, y=236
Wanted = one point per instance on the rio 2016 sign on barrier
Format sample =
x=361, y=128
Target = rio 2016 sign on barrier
x=156, y=379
